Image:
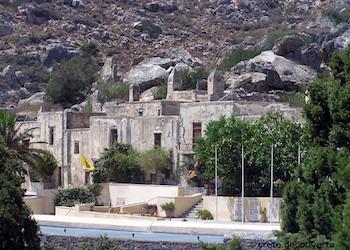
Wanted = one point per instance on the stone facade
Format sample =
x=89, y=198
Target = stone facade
x=173, y=125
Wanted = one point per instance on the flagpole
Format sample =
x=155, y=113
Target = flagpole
x=299, y=155
x=271, y=186
x=242, y=184
x=216, y=183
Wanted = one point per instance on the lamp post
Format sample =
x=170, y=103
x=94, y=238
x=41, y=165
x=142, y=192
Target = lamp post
x=216, y=183
x=271, y=187
x=242, y=207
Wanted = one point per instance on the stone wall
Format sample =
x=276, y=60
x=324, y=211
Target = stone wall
x=205, y=112
x=78, y=138
x=66, y=242
x=133, y=109
x=170, y=108
x=80, y=120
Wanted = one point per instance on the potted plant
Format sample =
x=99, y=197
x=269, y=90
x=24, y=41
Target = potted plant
x=263, y=215
x=151, y=209
x=169, y=209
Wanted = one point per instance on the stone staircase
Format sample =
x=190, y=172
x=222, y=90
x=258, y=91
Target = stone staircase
x=192, y=213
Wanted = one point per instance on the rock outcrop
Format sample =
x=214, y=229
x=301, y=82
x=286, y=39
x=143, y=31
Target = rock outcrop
x=281, y=73
x=56, y=52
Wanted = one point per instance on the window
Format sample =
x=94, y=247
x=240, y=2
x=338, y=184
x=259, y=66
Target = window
x=113, y=136
x=157, y=140
x=76, y=147
x=51, y=135
x=87, y=177
x=196, y=132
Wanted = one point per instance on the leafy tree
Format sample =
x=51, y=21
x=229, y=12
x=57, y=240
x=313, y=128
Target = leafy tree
x=343, y=236
x=17, y=229
x=157, y=159
x=118, y=164
x=230, y=134
x=191, y=77
x=71, y=81
x=323, y=185
x=318, y=124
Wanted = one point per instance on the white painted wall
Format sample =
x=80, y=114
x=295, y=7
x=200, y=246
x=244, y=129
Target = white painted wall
x=120, y=193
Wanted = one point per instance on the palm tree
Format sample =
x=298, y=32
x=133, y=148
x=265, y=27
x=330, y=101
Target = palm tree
x=18, y=144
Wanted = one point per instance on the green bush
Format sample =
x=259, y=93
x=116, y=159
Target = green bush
x=191, y=77
x=238, y=56
x=338, y=17
x=157, y=159
x=76, y=195
x=204, y=214
x=295, y=99
x=89, y=49
x=160, y=93
x=69, y=203
x=71, y=81
x=112, y=91
x=119, y=163
x=168, y=206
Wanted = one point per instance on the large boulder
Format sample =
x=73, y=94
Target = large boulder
x=288, y=45
x=312, y=55
x=162, y=62
x=180, y=55
x=56, y=53
x=250, y=82
x=282, y=73
x=145, y=76
x=166, y=7
x=148, y=95
x=148, y=27
x=9, y=76
x=36, y=14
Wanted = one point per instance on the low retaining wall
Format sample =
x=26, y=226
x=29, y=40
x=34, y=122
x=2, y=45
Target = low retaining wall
x=120, y=194
x=43, y=203
x=230, y=208
x=65, y=242
x=182, y=205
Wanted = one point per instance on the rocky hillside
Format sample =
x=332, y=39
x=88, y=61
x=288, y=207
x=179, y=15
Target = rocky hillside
x=37, y=34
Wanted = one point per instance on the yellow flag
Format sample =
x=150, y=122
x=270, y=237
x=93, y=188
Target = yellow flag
x=85, y=163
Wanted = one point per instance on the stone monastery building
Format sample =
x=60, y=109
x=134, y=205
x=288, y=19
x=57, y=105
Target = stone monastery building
x=174, y=124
